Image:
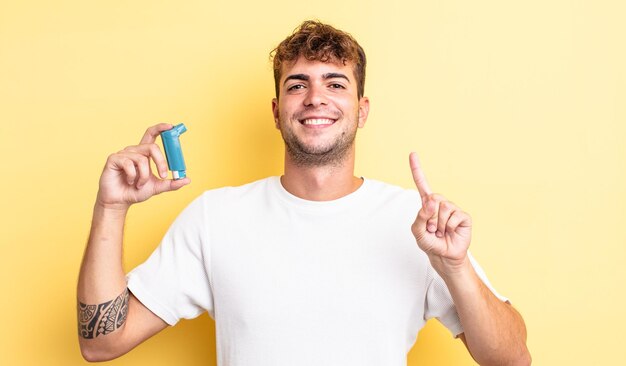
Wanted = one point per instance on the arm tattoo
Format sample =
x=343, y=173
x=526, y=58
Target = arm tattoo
x=94, y=320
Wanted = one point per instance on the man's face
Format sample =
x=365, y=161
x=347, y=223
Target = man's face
x=318, y=111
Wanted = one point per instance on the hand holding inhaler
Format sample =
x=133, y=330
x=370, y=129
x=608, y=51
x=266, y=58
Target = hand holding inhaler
x=128, y=178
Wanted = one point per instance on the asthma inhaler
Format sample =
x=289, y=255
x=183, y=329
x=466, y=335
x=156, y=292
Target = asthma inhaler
x=173, y=152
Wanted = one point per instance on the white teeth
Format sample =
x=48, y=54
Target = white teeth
x=318, y=121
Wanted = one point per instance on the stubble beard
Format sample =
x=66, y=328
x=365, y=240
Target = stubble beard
x=330, y=154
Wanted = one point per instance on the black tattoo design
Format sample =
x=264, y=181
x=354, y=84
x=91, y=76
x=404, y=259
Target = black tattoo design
x=105, y=318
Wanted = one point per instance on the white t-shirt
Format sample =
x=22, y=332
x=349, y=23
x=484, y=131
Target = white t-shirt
x=296, y=282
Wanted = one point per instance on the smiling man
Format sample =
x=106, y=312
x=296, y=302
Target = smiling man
x=318, y=100
x=316, y=267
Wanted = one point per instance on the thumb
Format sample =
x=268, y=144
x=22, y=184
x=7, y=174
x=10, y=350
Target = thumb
x=167, y=185
x=426, y=212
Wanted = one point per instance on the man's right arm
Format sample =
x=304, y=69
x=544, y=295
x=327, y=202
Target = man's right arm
x=111, y=321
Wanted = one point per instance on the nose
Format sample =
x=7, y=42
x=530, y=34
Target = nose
x=315, y=96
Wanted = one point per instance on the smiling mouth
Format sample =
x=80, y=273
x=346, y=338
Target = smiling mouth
x=317, y=121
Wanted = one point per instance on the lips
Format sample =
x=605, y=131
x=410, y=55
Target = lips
x=317, y=121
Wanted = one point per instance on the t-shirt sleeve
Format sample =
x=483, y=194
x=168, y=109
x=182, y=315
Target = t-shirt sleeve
x=174, y=282
x=439, y=302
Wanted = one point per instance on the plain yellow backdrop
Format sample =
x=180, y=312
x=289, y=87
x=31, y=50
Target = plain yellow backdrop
x=518, y=110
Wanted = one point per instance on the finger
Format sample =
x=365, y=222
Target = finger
x=458, y=220
x=427, y=215
x=431, y=206
x=142, y=168
x=446, y=210
x=418, y=176
x=125, y=164
x=423, y=235
x=154, y=131
x=167, y=185
x=154, y=152
x=431, y=225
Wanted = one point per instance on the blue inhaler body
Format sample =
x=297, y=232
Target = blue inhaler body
x=173, y=152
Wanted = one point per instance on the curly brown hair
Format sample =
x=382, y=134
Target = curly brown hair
x=317, y=41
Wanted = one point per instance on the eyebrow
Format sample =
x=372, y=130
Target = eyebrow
x=304, y=77
x=296, y=77
x=334, y=75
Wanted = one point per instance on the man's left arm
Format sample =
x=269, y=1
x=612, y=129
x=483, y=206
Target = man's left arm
x=494, y=332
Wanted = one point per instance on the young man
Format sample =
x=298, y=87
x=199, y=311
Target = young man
x=314, y=267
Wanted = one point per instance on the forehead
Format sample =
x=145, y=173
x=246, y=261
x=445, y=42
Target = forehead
x=314, y=68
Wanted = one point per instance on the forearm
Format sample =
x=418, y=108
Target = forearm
x=494, y=331
x=102, y=295
x=101, y=275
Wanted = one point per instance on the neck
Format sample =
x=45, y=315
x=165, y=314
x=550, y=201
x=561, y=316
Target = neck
x=321, y=183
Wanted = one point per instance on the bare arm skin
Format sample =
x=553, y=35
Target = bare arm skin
x=494, y=332
x=111, y=321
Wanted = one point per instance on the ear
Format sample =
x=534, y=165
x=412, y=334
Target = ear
x=275, y=112
x=364, y=110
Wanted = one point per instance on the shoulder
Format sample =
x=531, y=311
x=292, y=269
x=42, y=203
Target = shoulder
x=388, y=198
x=233, y=192
x=389, y=192
x=230, y=197
x=225, y=202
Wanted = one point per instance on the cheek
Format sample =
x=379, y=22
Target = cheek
x=348, y=107
x=285, y=106
x=284, y=116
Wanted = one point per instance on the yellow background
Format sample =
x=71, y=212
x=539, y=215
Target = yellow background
x=516, y=108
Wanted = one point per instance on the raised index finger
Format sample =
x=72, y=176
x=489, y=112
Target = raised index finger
x=418, y=176
x=154, y=131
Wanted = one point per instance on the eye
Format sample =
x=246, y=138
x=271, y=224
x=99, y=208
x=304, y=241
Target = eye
x=295, y=87
x=337, y=86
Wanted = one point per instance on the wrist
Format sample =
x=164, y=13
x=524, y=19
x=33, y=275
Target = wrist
x=452, y=269
x=107, y=210
x=104, y=204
